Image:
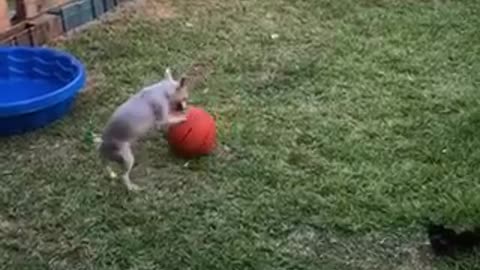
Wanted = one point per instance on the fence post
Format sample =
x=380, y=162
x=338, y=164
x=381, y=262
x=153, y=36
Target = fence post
x=26, y=9
x=4, y=16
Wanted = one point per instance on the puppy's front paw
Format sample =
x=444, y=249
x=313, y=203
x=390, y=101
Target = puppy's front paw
x=177, y=119
x=182, y=119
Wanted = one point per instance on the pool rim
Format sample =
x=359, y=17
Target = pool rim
x=49, y=99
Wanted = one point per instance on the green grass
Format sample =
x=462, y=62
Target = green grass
x=345, y=133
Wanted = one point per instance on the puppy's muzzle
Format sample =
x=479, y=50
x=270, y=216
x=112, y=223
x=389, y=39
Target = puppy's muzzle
x=181, y=106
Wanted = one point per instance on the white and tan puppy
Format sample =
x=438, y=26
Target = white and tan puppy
x=148, y=109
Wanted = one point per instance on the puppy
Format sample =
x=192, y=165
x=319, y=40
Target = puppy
x=149, y=109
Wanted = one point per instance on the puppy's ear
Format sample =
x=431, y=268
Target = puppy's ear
x=182, y=83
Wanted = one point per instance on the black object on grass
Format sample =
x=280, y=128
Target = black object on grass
x=447, y=242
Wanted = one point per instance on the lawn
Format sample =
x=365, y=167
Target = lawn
x=343, y=124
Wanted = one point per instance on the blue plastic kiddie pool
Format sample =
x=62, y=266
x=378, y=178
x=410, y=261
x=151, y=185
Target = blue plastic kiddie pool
x=37, y=86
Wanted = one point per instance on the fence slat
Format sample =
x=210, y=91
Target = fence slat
x=27, y=9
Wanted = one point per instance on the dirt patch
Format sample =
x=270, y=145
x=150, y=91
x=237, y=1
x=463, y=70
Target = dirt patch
x=91, y=83
x=156, y=9
x=198, y=72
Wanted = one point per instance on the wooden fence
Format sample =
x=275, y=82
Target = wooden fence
x=35, y=22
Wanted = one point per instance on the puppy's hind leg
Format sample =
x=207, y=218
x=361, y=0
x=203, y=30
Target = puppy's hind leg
x=107, y=155
x=105, y=163
x=111, y=173
x=128, y=161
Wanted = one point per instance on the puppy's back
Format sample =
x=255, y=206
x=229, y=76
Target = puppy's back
x=131, y=120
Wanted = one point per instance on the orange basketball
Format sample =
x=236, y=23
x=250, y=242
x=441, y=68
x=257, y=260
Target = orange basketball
x=196, y=136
